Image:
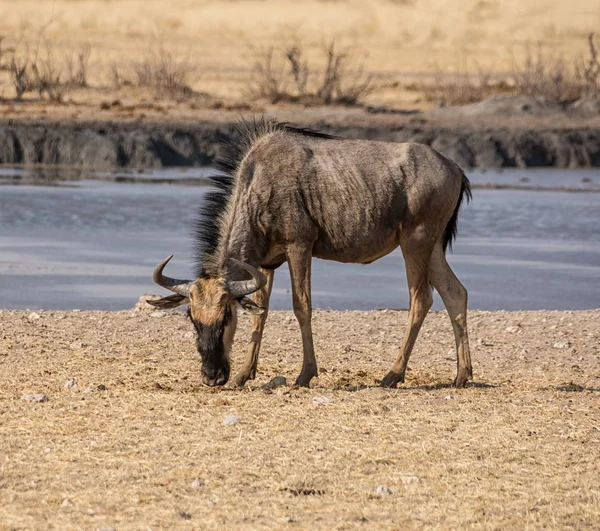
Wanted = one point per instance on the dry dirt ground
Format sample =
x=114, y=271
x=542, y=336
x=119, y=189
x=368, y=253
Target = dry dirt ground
x=135, y=442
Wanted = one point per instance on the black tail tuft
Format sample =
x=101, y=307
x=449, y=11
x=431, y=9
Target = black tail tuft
x=452, y=227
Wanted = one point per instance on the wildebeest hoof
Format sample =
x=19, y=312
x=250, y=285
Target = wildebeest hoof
x=241, y=378
x=391, y=379
x=304, y=379
x=218, y=381
x=462, y=379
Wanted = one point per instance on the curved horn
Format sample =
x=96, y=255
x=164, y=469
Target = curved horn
x=181, y=287
x=241, y=288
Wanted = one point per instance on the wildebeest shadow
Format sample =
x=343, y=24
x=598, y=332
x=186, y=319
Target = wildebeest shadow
x=468, y=385
x=571, y=388
x=423, y=387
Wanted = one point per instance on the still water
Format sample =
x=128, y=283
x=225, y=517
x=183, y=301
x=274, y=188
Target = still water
x=90, y=241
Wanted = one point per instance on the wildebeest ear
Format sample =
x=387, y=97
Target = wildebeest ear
x=250, y=306
x=172, y=301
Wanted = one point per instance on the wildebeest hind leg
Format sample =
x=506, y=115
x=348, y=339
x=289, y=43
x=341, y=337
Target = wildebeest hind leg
x=261, y=298
x=416, y=255
x=454, y=295
x=299, y=262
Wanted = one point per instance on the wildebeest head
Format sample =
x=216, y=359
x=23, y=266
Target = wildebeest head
x=212, y=310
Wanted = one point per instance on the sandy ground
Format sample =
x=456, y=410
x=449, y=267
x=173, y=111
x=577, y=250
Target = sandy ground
x=134, y=442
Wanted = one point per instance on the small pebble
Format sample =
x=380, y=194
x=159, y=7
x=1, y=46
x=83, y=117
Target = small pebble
x=562, y=344
x=158, y=314
x=231, y=419
x=67, y=503
x=410, y=479
x=383, y=490
x=449, y=397
x=71, y=385
x=33, y=316
x=36, y=397
x=322, y=400
x=198, y=483
x=513, y=329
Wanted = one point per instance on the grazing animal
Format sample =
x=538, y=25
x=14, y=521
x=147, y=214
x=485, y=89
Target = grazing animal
x=290, y=194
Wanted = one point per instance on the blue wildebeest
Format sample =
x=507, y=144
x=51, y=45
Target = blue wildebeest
x=290, y=194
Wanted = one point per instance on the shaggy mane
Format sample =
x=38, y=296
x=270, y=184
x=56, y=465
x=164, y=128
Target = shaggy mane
x=231, y=154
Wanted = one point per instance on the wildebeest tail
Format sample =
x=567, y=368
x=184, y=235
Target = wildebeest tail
x=452, y=227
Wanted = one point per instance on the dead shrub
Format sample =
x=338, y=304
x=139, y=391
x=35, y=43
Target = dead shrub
x=20, y=71
x=285, y=76
x=340, y=84
x=48, y=76
x=460, y=86
x=269, y=79
x=117, y=77
x=542, y=76
x=590, y=70
x=164, y=73
x=40, y=71
x=77, y=66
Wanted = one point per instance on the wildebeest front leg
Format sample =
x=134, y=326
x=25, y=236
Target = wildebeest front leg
x=299, y=262
x=261, y=298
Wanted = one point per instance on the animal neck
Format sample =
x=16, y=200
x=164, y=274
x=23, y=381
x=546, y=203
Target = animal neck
x=238, y=239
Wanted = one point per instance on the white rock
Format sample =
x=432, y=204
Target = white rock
x=198, y=483
x=142, y=304
x=449, y=397
x=322, y=400
x=562, y=344
x=407, y=480
x=36, y=397
x=158, y=314
x=383, y=490
x=231, y=419
x=71, y=385
x=67, y=503
x=513, y=329
x=33, y=316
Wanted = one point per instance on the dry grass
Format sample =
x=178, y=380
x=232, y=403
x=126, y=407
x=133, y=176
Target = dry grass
x=140, y=444
x=401, y=40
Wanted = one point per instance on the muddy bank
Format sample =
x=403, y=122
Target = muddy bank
x=146, y=144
